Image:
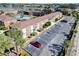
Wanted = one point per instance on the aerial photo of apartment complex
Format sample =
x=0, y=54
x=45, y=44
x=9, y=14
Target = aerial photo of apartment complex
x=39, y=29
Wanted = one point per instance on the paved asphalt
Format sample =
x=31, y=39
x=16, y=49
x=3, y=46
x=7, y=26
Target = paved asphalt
x=52, y=40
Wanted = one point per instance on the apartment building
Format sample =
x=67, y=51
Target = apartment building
x=32, y=25
x=35, y=9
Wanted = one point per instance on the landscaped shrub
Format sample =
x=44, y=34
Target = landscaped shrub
x=29, y=36
x=67, y=42
x=3, y=28
x=75, y=31
x=47, y=24
x=33, y=34
x=24, y=54
x=40, y=29
x=56, y=19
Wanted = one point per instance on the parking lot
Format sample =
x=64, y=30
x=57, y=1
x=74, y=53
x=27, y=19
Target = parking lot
x=53, y=39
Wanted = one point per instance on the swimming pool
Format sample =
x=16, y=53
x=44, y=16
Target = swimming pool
x=24, y=17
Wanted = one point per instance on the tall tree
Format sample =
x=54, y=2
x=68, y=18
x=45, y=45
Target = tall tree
x=17, y=35
x=47, y=9
x=5, y=42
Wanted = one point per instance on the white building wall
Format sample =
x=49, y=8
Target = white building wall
x=31, y=28
x=24, y=33
x=37, y=26
x=60, y=15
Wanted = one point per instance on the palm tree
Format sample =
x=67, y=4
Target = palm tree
x=5, y=42
x=16, y=34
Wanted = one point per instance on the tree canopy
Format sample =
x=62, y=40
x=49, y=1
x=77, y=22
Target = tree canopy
x=5, y=42
x=17, y=35
x=47, y=9
x=72, y=6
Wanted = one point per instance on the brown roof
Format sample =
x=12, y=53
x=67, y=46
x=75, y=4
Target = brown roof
x=5, y=18
x=23, y=24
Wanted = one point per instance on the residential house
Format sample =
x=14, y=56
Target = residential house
x=65, y=10
x=9, y=11
x=6, y=20
x=35, y=9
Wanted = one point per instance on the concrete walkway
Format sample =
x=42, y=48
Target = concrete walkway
x=75, y=48
x=77, y=43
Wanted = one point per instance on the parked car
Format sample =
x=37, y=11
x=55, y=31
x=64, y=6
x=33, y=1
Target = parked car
x=58, y=49
x=36, y=44
x=64, y=21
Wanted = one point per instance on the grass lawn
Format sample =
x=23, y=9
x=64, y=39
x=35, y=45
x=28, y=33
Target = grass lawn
x=24, y=53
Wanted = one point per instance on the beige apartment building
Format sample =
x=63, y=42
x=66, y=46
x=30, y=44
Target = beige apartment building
x=32, y=25
x=28, y=26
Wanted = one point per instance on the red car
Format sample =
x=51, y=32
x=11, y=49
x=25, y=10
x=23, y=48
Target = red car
x=36, y=44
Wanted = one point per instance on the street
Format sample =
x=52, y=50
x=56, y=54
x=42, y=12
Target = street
x=75, y=48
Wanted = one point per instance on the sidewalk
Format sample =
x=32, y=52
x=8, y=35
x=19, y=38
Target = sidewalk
x=73, y=49
x=39, y=33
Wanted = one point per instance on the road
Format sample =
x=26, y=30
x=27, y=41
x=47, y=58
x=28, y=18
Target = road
x=75, y=47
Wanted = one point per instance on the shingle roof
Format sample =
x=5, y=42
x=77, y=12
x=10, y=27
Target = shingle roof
x=5, y=18
x=23, y=24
